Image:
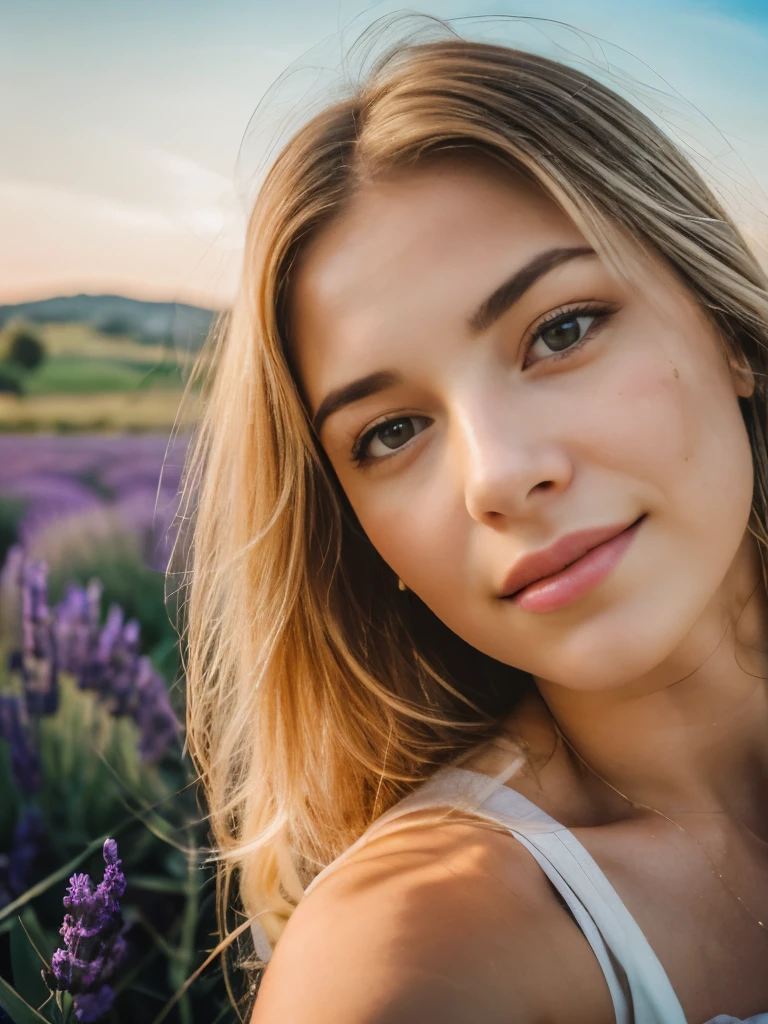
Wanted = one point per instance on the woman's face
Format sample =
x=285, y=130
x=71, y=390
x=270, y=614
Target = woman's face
x=576, y=401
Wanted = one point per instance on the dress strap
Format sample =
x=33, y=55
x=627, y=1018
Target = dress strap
x=466, y=792
x=640, y=989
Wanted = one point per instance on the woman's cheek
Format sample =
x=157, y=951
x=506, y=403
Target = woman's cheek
x=423, y=537
x=638, y=422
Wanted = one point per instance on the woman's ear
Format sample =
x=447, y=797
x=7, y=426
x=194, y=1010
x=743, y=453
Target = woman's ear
x=741, y=374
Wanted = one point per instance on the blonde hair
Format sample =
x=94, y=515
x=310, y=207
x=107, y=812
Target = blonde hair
x=318, y=694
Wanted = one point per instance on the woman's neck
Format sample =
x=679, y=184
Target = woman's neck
x=690, y=737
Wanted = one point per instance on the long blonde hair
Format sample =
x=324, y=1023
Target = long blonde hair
x=318, y=694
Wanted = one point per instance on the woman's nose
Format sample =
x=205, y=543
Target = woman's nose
x=511, y=462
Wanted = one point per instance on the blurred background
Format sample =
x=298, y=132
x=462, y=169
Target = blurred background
x=128, y=160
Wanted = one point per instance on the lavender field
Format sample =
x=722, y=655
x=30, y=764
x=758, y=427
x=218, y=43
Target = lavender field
x=79, y=487
x=91, y=739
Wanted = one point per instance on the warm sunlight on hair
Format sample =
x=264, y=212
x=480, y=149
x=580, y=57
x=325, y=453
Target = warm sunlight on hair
x=494, y=248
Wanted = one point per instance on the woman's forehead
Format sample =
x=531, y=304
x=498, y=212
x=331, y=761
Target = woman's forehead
x=419, y=248
x=449, y=210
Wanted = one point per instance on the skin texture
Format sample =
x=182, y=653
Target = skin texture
x=656, y=675
x=424, y=958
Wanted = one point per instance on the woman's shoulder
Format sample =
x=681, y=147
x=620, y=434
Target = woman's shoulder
x=447, y=922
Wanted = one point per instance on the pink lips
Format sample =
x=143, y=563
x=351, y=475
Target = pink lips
x=580, y=574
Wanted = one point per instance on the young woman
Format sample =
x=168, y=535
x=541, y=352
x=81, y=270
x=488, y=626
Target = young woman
x=478, y=623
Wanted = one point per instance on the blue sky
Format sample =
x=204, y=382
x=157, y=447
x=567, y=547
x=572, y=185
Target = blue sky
x=122, y=119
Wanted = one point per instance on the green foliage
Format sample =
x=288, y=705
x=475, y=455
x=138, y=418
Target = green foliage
x=17, y=1008
x=73, y=375
x=94, y=785
x=77, y=375
x=89, y=761
x=11, y=514
x=26, y=350
x=26, y=964
x=116, y=325
x=10, y=381
x=11, y=801
x=21, y=352
x=83, y=793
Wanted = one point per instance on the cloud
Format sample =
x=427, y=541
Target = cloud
x=59, y=240
x=129, y=184
x=202, y=200
x=45, y=201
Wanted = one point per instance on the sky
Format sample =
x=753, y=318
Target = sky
x=126, y=160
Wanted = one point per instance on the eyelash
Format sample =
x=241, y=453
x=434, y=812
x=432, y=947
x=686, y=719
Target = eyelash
x=601, y=316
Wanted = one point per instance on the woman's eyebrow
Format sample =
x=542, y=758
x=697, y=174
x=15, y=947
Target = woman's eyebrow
x=497, y=303
x=353, y=392
x=513, y=289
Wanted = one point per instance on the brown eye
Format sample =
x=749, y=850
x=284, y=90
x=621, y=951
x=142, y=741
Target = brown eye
x=564, y=334
x=396, y=432
x=392, y=435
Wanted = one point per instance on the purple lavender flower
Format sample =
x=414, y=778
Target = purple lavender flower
x=107, y=661
x=60, y=477
x=27, y=624
x=26, y=848
x=104, y=659
x=10, y=576
x=113, y=885
x=25, y=763
x=154, y=715
x=76, y=625
x=117, y=654
x=39, y=660
x=91, y=1006
x=94, y=943
x=48, y=497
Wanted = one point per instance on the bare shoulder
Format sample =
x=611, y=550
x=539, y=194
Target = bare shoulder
x=450, y=922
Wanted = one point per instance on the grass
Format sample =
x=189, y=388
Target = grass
x=91, y=382
x=85, y=375
x=138, y=410
x=82, y=341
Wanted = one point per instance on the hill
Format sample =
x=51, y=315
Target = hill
x=168, y=323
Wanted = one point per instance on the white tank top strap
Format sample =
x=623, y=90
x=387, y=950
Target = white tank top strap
x=465, y=792
x=640, y=989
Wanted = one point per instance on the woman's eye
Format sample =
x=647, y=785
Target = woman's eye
x=385, y=439
x=558, y=336
x=563, y=333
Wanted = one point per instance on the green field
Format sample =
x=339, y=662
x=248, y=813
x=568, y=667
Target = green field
x=91, y=381
x=85, y=375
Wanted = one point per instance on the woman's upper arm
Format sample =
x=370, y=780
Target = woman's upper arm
x=445, y=936
x=364, y=965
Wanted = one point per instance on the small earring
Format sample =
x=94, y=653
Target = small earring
x=400, y=584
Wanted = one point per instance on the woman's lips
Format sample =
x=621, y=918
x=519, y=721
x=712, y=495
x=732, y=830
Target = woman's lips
x=576, y=579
